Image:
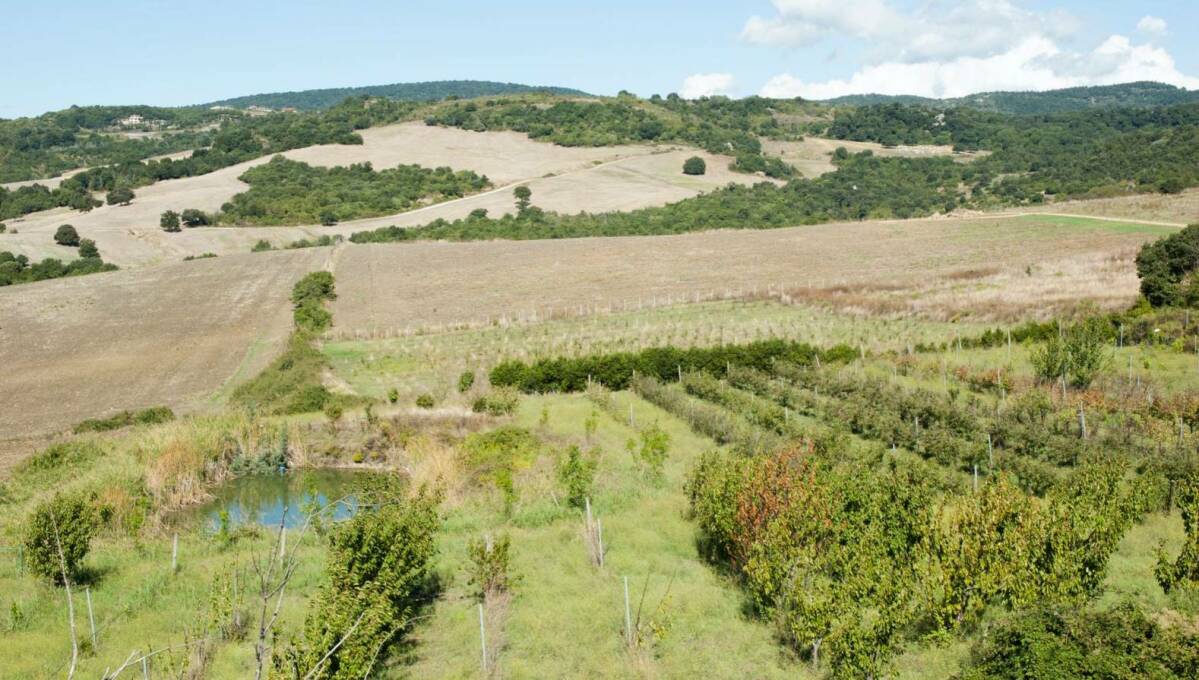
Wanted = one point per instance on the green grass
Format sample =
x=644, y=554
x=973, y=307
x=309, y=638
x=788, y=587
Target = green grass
x=432, y=362
x=1092, y=224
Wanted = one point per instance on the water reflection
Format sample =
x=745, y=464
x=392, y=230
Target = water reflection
x=266, y=498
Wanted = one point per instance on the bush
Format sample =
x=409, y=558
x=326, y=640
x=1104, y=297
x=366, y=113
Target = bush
x=498, y=402
x=170, y=222
x=149, y=416
x=1078, y=354
x=576, y=471
x=195, y=218
x=120, y=196
x=261, y=246
x=66, y=235
x=425, y=400
x=655, y=444
x=694, y=166
x=393, y=395
x=88, y=249
x=59, y=536
x=489, y=565
x=59, y=454
x=466, y=381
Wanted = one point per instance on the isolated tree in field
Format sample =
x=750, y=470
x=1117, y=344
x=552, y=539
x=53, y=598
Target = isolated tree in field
x=87, y=248
x=524, y=197
x=170, y=221
x=66, y=236
x=120, y=196
x=58, y=537
x=694, y=166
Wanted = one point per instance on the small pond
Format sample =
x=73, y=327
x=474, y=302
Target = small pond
x=266, y=498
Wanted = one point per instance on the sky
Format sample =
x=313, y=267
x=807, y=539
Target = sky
x=182, y=52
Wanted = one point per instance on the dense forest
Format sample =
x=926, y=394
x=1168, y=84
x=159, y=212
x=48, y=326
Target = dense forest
x=1144, y=94
x=309, y=100
x=290, y=192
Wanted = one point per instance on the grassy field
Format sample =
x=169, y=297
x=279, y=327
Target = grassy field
x=431, y=362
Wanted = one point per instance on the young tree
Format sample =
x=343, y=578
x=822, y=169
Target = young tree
x=87, y=248
x=576, y=472
x=694, y=166
x=58, y=537
x=120, y=196
x=170, y=222
x=67, y=236
x=524, y=196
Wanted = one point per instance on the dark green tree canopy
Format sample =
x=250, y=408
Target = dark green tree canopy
x=66, y=236
x=694, y=166
x=1166, y=268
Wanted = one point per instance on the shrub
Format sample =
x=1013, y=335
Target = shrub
x=489, y=565
x=501, y=401
x=655, y=444
x=63, y=453
x=88, y=249
x=120, y=196
x=66, y=235
x=195, y=218
x=1078, y=354
x=425, y=400
x=170, y=222
x=466, y=381
x=576, y=471
x=694, y=166
x=59, y=536
x=393, y=395
x=1183, y=572
x=261, y=246
x=149, y=416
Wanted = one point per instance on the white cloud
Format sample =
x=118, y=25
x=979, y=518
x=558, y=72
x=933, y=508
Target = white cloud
x=936, y=30
x=1152, y=25
x=705, y=85
x=1036, y=63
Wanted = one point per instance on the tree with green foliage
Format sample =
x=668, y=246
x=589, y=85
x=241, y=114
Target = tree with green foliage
x=1167, y=267
x=655, y=446
x=170, y=222
x=524, y=197
x=576, y=471
x=120, y=196
x=466, y=381
x=1077, y=354
x=192, y=217
x=88, y=249
x=58, y=537
x=66, y=235
x=694, y=166
x=1183, y=572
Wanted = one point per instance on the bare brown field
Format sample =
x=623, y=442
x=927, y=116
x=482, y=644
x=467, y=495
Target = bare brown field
x=81, y=347
x=939, y=268
x=813, y=156
x=564, y=179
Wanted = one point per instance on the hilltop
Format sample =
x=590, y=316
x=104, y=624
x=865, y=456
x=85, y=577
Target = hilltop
x=312, y=100
x=1141, y=94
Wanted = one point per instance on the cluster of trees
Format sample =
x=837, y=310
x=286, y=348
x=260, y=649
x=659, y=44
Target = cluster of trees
x=854, y=560
x=864, y=186
x=717, y=125
x=16, y=269
x=284, y=191
x=1167, y=266
x=238, y=139
x=311, y=100
x=1143, y=94
x=1079, y=153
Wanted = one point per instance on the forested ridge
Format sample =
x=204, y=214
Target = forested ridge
x=309, y=100
x=1138, y=94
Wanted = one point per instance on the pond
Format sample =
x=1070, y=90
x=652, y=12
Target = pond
x=266, y=498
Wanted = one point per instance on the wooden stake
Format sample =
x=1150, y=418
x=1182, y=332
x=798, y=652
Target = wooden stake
x=483, y=638
x=175, y=553
x=599, y=536
x=91, y=619
x=628, y=621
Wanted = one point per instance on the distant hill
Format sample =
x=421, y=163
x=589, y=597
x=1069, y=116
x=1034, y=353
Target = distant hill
x=310, y=100
x=1140, y=94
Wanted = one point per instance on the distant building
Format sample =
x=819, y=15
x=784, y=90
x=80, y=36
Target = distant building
x=131, y=120
x=256, y=110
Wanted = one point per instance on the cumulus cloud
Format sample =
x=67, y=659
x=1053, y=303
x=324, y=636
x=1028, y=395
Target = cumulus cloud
x=1036, y=63
x=950, y=49
x=1152, y=25
x=705, y=85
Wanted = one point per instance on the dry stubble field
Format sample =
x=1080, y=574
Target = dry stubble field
x=564, y=179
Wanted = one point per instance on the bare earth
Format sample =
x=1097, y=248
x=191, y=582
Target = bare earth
x=813, y=156
x=562, y=179
x=87, y=346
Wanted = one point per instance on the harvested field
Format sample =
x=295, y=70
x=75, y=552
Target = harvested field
x=562, y=178
x=813, y=156
x=892, y=266
x=82, y=347
x=1179, y=209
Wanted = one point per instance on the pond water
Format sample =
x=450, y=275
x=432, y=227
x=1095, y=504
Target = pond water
x=266, y=498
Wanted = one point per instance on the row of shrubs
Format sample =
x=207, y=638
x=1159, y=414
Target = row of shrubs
x=148, y=416
x=616, y=370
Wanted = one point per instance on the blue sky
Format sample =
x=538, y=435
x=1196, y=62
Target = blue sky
x=171, y=53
